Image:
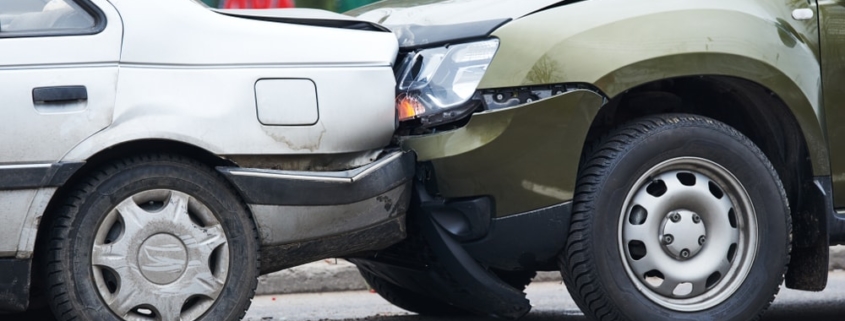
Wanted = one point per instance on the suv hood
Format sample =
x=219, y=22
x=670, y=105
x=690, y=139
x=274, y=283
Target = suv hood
x=311, y=17
x=424, y=23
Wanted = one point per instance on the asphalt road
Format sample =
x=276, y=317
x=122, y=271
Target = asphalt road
x=551, y=302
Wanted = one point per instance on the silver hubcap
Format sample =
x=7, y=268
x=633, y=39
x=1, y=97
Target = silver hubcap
x=682, y=234
x=160, y=255
x=162, y=258
x=688, y=234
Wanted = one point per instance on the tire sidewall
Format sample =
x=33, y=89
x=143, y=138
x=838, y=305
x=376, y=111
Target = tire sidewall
x=203, y=186
x=727, y=148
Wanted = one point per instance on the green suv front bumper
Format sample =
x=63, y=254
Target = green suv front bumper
x=525, y=157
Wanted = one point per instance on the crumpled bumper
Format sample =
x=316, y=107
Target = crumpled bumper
x=304, y=216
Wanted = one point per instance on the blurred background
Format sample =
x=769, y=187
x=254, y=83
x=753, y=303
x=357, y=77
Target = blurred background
x=333, y=5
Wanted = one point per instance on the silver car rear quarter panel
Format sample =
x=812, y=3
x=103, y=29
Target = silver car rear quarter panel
x=12, y=202
x=188, y=74
x=174, y=70
x=214, y=108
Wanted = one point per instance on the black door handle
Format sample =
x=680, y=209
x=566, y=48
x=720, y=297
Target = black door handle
x=59, y=94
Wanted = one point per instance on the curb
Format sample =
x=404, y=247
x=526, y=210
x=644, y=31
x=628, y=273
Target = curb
x=837, y=257
x=339, y=275
x=321, y=276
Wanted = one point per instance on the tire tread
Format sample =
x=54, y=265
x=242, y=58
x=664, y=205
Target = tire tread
x=576, y=263
x=68, y=210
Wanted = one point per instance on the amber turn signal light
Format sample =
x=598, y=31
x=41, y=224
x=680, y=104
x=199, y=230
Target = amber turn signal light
x=408, y=108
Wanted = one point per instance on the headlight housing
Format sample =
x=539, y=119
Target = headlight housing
x=437, y=85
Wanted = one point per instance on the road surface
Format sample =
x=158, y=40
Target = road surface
x=551, y=302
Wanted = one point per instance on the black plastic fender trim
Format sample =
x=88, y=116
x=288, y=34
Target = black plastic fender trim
x=836, y=217
x=25, y=176
x=529, y=241
x=303, y=188
x=815, y=227
x=483, y=293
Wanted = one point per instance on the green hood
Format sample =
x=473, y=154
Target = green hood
x=424, y=23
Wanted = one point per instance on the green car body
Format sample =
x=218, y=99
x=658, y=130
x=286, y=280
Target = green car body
x=618, y=50
x=774, y=70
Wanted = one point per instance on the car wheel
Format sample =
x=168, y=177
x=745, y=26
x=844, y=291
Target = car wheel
x=409, y=300
x=676, y=217
x=156, y=237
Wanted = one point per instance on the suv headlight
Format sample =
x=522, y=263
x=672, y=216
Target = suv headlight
x=436, y=85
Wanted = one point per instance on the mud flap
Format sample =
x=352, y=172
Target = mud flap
x=471, y=287
x=808, y=265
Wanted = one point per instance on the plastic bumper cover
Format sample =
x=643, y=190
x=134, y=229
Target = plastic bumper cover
x=305, y=216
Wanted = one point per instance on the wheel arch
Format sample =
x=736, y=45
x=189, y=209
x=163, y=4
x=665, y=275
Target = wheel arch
x=768, y=121
x=105, y=156
x=135, y=147
x=755, y=40
x=769, y=93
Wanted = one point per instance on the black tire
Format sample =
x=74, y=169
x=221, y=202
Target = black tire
x=597, y=264
x=70, y=274
x=410, y=300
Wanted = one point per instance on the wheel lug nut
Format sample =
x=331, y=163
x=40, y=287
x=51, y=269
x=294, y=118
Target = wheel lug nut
x=696, y=219
x=668, y=239
x=675, y=217
x=684, y=253
x=701, y=240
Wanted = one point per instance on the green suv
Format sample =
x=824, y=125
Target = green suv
x=675, y=160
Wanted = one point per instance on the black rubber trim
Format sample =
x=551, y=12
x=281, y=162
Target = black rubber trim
x=836, y=222
x=413, y=37
x=89, y=7
x=813, y=232
x=529, y=241
x=502, y=243
x=482, y=292
x=59, y=94
x=307, y=188
x=14, y=284
x=465, y=219
x=451, y=274
x=20, y=177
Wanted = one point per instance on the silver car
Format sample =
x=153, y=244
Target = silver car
x=157, y=156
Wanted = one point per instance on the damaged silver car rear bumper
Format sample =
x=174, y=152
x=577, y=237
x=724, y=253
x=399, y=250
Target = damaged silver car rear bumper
x=304, y=216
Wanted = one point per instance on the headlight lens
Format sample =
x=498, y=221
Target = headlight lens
x=441, y=81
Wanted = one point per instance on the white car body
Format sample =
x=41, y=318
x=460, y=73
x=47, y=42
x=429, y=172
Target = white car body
x=267, y=90
x=174, y=70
